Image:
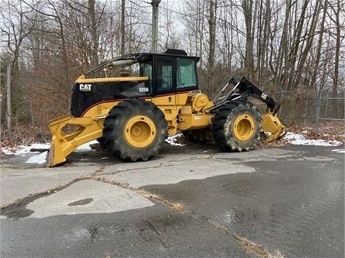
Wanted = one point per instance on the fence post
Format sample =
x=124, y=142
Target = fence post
x=305, y=113
x=317, y=110
x=326, y=108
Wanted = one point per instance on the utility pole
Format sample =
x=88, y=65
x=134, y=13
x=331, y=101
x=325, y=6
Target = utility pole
x=154, y=4
x=0, y=103
x=123, y=5
x=94, y=31
x=9, y=105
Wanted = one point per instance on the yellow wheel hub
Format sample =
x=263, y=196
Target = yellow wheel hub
x=244, y=127
x=140, y=131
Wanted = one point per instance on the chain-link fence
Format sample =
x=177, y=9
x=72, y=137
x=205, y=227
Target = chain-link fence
x=312, y=111
x=324, y=109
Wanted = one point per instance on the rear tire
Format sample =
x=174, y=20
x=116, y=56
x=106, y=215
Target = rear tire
x=135, y=130
x=237, y=126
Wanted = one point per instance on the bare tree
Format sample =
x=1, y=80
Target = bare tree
x=248, y=10
x=194, y=20
x=169, y=30
x=16, y=27
x=307, y=44
x=212, y=26
x=338, y=19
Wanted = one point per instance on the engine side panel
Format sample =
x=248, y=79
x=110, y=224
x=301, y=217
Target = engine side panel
x=86, y=95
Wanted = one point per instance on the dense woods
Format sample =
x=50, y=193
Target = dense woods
x=292, y=49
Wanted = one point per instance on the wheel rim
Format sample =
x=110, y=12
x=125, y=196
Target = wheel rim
x=140, y=131
x=244, y=127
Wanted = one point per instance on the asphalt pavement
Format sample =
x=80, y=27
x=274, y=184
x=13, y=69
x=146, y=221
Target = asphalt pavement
x=190, y=201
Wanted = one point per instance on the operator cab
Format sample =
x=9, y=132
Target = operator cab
x=171, y=72
x=140, y=75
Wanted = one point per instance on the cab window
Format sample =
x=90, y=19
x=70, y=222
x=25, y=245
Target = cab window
x=186, y=76
x=146, y=70
x=165, y=76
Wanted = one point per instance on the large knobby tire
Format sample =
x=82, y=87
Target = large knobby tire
x=237, y=126
x=134, y=130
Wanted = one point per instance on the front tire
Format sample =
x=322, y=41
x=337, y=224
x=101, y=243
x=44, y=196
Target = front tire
x=135, y=130
x=237, y=126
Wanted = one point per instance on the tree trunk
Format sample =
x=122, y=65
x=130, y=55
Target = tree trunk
x=309, y=39
x=280, y=73
x=319, y=48
x=292, y=61
x=247, y=6
x=123, y=5
x=94, y=33
x=339, y=28
x=212, y=44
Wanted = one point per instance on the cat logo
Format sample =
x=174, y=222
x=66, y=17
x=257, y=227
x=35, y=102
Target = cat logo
x=264, y=96
x=85, y=87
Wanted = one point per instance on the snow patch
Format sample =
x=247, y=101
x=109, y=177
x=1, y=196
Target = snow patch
x=172, y=140
x=86, y=146
x=21, y=149
x=299, y=139
x=38, y=159
x=339, y=151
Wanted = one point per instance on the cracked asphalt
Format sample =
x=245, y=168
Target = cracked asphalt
x=190, y=201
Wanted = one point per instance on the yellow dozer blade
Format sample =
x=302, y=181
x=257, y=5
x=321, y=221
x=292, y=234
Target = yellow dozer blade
x=272, y=126
x=63, y=143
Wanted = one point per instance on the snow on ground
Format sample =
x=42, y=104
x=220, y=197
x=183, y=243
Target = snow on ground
x=339, y=150
x=40, y=157
x=299, y=139
x=86, y=146
x=21, y=149
x=173, y=140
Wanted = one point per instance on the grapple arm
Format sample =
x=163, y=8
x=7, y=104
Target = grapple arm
x=271, y=124
x=247, y=88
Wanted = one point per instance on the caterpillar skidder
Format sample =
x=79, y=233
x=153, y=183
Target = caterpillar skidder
x=131, y=104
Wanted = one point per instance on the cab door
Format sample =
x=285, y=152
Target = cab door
x=164, y=89
x=164, y=71
x=164, y=81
